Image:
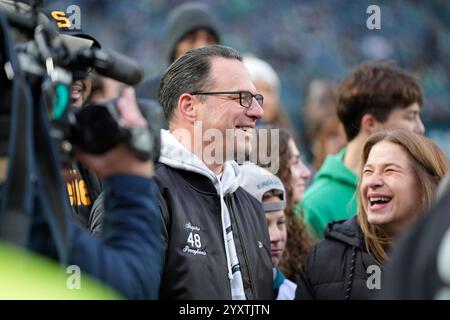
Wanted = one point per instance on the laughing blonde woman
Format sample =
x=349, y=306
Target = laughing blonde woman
x=399, y=178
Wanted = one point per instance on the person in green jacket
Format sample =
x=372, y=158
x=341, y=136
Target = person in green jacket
x=376, y=96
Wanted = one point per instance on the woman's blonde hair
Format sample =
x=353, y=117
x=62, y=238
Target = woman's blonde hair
x=429, y=165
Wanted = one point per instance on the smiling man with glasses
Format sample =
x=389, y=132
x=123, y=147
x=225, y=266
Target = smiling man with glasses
x=218, y=245
x=245, y=97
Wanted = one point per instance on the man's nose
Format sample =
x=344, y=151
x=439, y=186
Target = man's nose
x=420, y=127
x=255, y=110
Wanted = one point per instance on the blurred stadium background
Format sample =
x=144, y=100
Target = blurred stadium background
x=303, y=40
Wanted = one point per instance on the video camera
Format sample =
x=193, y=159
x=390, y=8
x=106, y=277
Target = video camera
x=36, y=71
x=46, y=57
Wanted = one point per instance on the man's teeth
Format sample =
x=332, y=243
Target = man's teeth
x=245, y=128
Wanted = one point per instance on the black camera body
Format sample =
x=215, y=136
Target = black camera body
x=97, y=128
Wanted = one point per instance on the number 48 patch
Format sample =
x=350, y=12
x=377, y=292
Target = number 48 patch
x=194, y=240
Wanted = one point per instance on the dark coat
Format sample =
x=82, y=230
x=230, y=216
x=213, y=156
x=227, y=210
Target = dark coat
x=191, y=206
x=337, y=267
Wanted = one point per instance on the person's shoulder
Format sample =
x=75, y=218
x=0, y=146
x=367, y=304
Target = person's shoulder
x=346, y=231
x=165, y=174
x=248, y=200
x=333, y=165
x=318, y=189
x=161, y=167
x=320, y=195
x=329, y=247
x=324, y=181
x=324, y=262
x=167, y=179
x=327, y=191
x=162, y=172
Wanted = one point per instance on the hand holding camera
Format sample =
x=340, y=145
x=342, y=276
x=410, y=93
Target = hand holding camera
x=120, y=158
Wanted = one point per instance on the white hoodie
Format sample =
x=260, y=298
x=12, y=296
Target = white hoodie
x=175, y=155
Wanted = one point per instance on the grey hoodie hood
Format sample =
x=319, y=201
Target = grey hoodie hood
x=175, y=155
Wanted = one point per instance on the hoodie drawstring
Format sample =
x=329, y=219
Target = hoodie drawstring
x=348, y=289
x=224, y=232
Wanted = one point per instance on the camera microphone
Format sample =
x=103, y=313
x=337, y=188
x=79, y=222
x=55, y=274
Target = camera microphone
x=111, y=64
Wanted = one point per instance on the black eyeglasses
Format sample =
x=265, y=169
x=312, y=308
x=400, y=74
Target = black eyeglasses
x=245, y=97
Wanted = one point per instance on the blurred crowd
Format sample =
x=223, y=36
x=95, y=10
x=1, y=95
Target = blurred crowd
x=292, y=162
x=302, y=40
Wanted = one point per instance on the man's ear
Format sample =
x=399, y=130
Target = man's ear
x=187, y=107
x=369, y=124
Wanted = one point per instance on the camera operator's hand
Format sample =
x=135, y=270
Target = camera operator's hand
x=120, y=160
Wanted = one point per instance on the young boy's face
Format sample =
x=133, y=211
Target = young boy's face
x=405, y=118
x=276, y=222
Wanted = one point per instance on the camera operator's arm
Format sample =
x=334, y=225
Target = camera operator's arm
x=130, y=256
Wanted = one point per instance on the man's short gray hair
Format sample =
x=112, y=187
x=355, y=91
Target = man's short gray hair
x=190, y=73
